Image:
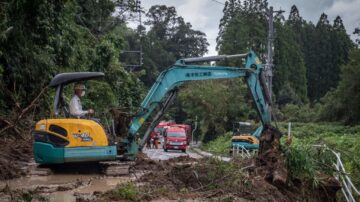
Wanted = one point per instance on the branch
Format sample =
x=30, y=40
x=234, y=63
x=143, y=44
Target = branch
x=23, y=112
x=32, y=103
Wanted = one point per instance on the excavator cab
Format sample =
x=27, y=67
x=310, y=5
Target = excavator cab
x=64, y=139
x=244, y=136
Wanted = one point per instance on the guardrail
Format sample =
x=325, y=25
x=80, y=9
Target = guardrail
x=347, y=187
x=241, y=150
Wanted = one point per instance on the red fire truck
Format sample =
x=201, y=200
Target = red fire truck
x=177, y=137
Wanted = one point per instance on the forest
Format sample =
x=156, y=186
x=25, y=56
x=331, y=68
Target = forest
x=316, y=68
x=315, y=78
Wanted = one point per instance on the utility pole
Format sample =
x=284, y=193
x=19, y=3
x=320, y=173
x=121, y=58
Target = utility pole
x=270, y=50
x=138, y=6
x=193, y=132
x=140, y=51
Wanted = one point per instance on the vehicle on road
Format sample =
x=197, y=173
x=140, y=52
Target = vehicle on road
x=175, y=138
x=158, y=130
x=187, y=131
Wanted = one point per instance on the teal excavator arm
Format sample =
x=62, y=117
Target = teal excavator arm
x=165, y=89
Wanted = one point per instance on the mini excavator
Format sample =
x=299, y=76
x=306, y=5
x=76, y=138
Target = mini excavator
x=65, y=139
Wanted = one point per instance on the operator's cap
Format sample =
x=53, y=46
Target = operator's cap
x=79, y=86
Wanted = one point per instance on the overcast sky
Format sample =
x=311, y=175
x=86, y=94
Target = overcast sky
x=205, y=15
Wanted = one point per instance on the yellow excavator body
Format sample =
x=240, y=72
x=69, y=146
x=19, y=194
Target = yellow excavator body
x=78, y=132
x=246, y=138
x=71, y=140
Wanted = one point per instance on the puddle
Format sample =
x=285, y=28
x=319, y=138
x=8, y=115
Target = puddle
x=91, y=183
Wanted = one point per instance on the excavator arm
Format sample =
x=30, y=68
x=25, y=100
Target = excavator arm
x=165, y=89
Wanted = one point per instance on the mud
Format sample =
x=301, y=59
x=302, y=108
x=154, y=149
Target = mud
x=212, y=180
x=270, y=161
x=59, y=187
x=262, y=178
x=144, y=163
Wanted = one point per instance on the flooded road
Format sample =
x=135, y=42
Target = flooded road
x=64, y=187
x=65, y=182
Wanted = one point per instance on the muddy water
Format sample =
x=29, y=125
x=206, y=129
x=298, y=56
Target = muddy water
x=90, y=183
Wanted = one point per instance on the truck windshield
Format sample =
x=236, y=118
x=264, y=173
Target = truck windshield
x=176, y=134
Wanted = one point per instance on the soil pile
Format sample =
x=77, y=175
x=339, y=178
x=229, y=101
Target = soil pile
x=270, y=161
x=262, y=178
x=14, y=158
x=144, y=163
x=211, y=179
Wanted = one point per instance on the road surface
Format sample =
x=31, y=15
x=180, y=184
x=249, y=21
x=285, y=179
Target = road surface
x=160, y=154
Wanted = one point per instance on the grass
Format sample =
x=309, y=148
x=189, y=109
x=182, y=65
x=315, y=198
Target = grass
x=220, y=146
x=126, y=191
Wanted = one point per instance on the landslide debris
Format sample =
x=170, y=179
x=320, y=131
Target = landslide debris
x=261, y=178
x=14, y=158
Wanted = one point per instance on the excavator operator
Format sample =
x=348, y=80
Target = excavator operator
x=75, y=103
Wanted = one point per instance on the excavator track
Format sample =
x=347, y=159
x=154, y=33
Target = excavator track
x=116, y=168
x=108, y=168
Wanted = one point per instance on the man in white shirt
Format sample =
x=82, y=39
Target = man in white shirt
x=75, y=103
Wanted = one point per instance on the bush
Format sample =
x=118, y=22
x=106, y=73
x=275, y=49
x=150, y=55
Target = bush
x=126, y=191
x=306, y=162
x=220, y=145
x=343, y=139
x=300, y=113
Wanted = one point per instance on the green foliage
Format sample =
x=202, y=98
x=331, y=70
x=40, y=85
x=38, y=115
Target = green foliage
x=99, y=96
x=126, y=191
x=330, y=47
x=299, y=113
x=218, y=101
x=305, y=161
x=343, y=139
x=305, y=130
x=44, y=38
x=307, y=57
x=290, y=73
x=343, y=102
x=357, y=33
x=210, y=133
x=169, y=38
x=287, y=95
x=242, y=27
x=219, y=146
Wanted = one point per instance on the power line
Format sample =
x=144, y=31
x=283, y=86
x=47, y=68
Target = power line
x=216, y=1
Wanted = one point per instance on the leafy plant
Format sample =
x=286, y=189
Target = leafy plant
x=126, y=191
x=220, y=146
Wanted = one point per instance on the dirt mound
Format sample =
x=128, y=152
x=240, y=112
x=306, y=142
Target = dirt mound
x=14, y=157
x=181, y=159
x=271, y=162
x=143, y=162
x=262, y=178
x=211, y=178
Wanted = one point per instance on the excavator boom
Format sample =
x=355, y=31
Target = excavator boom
x=164, y=90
